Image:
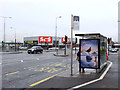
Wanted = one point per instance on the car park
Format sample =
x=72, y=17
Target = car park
x=35, y=49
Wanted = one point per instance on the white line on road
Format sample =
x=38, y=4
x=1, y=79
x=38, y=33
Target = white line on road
x=37, y=58
x=101, y=77
x=21, y=60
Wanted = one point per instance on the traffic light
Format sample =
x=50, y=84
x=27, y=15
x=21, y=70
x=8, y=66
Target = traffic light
x=75, y=40
x=66, y=38
x=2, y=44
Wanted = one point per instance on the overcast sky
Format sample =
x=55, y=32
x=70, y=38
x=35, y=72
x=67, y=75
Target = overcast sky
x=38, y=17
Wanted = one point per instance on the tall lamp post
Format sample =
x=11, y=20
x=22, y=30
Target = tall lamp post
x=56, y=35
x=4, y=28
x=15, y=37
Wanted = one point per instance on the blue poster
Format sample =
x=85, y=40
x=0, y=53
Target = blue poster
x=89, y=53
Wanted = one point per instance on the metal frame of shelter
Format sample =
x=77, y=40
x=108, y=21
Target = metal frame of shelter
x=102, y=48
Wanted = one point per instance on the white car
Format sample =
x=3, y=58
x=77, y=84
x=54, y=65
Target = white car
x=22, y=47
x=77, y=48
x=53, y=48
x=113, y=50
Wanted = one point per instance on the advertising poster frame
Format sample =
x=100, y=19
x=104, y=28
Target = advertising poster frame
x=98, y=55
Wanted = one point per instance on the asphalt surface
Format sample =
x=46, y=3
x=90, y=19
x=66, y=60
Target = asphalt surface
x=23, y=70
x=67, y=82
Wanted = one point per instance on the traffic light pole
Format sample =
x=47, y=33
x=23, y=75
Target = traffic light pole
x=65, y=43
x=65, y=48
x=75, y=44
x=75, y=48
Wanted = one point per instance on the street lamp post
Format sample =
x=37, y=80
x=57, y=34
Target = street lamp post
x=15, y=37
x=4, y=28
x=56, y=35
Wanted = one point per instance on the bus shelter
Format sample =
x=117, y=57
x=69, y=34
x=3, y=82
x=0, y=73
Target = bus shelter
x=93, y=51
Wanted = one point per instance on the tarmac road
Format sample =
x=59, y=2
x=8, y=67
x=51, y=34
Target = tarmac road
x=65, y=81
x=22, y=70
x=40, y=67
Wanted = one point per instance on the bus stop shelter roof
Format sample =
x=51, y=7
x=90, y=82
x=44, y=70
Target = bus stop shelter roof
x=92, y=35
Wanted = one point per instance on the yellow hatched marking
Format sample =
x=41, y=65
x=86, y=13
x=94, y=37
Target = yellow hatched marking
x=31, y=68
x=42, y=69
x=58, y=64
x=50, y=70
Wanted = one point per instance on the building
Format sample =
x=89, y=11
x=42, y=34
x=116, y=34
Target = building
x=47, y=41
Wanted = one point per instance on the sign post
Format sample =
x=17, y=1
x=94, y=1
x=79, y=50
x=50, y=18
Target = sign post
x=71, y=44
x=75, y=26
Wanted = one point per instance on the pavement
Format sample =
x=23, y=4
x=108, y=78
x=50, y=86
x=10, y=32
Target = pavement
x=12, y=52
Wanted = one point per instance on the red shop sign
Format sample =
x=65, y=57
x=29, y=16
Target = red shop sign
x=45, y=39
x=63, y=40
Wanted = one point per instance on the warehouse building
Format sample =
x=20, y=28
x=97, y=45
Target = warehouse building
x=47, y=41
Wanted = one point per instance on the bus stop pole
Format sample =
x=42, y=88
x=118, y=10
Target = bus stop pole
x=71, y=45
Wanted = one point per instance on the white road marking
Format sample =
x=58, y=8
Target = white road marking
x=21, y=60
x=37, y=58
x=100, y=78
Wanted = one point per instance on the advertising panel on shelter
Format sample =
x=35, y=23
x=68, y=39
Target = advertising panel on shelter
x=89, y=53
x=45, y=39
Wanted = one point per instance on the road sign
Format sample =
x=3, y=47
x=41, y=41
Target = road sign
x=75, y=22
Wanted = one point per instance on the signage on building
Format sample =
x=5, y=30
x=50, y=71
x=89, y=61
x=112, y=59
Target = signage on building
x=30, y=42
x=45, y=39
x=63, y=40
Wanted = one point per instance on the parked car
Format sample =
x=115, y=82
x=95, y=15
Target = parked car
x=77, y=48
x=117, y=49
x=53, y=48
x=35, y=49
x=114, y=50
x=22, y=47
